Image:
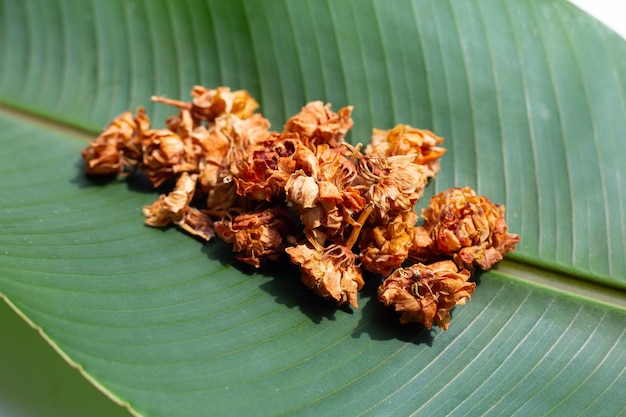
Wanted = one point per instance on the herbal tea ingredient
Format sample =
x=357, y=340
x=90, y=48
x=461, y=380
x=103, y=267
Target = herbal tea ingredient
x=331, y=207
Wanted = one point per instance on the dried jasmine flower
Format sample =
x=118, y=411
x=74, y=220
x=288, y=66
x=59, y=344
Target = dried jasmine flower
x=174, y=208
x=407, y=140
x=397, y=183
x=307, y=193
x=209, y=104
x=316, y=124
x=426, y=293
x=331, y=272
x=261, y=171
x=164, y=156
x=259, y=235
x=470, y=229
x=118, y=148
x=385, y=245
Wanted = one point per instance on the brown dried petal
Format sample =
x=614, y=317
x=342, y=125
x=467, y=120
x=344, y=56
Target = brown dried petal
x=324, y=209
x=209, y=104
x=163, y=155
x=317, y=124
x=303, y=192
x=426, y=293
x=385, y=246
x=257, y=236
x=399, y=185
x=174, y=208
x=469, y=228
x=261, y=172
x=331, y=272
x=407, y=140
x=118, y=148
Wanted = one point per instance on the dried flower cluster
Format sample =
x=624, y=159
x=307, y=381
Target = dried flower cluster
x=334, y=209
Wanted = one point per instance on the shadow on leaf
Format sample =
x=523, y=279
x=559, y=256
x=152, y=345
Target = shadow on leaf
x=136, y=182
x=280, y=279
x=382, y=323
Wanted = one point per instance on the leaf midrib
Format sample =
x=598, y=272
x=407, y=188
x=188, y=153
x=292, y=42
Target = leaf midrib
x=518, y=267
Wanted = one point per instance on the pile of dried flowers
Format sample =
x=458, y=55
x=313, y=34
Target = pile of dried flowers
x=331, y=207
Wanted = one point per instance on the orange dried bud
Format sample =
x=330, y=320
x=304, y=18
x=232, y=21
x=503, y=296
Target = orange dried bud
x=407, y=140
x=385, y=246
x=259, y=235
x=174, y=208
x=426, y=293
x=323, y=198
x=317, y=123
x=466, y=227
x=398, y=184
x=331, y=272
x=118, y=148
x=261, y=172
x=164, y=156
x=227, y=136
x=209, y=104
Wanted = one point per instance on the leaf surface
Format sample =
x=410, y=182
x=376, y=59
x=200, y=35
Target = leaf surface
x=530, y=98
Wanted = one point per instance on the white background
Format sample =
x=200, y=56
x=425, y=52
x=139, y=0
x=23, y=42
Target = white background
x=610, y=12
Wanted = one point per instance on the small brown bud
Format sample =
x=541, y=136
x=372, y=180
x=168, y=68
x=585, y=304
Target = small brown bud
x=331, y=272
x=258, y=235
x=466, y=227
x=407, y=140
x=174, y=208
x=426, y=293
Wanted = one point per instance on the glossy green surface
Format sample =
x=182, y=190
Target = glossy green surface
x=530, y=98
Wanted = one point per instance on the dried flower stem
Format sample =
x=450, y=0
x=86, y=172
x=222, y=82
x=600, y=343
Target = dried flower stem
x=183, y=105
x=358, y=225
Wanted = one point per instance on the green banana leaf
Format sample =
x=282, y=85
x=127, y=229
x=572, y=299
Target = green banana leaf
x=530, y=96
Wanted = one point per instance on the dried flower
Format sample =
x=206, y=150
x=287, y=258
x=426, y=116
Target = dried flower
x=407, y=140
x=308, y=193
x=261, y=171
x=118, y=148
x=466, y=227
x=331, y=272
x=398, y=183
x=317, y=124
x=385, y=246
x=259, y=235
x=174, y=208
x=426, y=293
x=209, y=104
x=164, y=156
x=324, y=199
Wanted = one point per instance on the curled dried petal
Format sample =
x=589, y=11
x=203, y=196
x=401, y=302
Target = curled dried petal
x=407, y=140
x=303, y=191
x=466, y=227
x=209, y=104
x=325, y=210
x=331, y=272
x=385, y=246
x=117, y=150
x=317, y=123
x=227, y=136
x=163, y=156
x=398, y=184
x=261, y=171
x=174, y=208
x=426, y=293
x=258, y=235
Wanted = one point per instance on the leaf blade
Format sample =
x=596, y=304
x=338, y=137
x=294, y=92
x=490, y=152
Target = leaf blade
x=189, y=332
